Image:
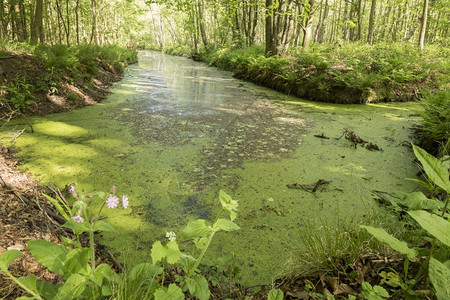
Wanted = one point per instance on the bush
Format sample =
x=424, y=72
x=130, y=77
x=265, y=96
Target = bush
x=434, y=132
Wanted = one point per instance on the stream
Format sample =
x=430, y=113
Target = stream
x=174, y=132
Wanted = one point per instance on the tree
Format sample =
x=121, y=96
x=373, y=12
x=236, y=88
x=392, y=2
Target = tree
x=36, y=30
x=423, y=27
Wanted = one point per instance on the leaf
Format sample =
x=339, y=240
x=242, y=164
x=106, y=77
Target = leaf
x=158, y=252
x=102, y=226
x=381, y=235
x=275, y=294
x=440, y=277
x=436, y=171
x=8, y=257
x=195, y=229
x=417, y=200
x=422, y=183
x=142, y=271
x=173, y=253
x=77, y=228
x=59, y=208
x=435, y=225
x=49, y=254
x=48, y=290
x=226, y=225
x=228, y=204
x=198, y=286
x=29, y=282
x=76, y=260
x=172, y=293
x=73, y=287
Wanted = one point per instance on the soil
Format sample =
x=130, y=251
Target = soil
x=25, y=214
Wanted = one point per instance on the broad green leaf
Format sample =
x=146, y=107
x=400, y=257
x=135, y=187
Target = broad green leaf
x=8, y=257
x=172, y=293
x=59, y=208
x=417, y=200
x=226, y=225
x=158, y=252
x=77, y=228
x=76, y=260
x=198, y=287
x=436, y=171
x=196, y=229
x=381, y=235
x=48, y=290
x=102, y=226
x=380, y=291
x=173, y=253
x=440, y=277
x=275, y=294
x=50, y=255
x=73, y=287
x=29, y=282
x=435, y=225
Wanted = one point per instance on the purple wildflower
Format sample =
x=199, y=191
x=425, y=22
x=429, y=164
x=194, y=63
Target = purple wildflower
x=72, y=190
x=78, y=219
x=112, y=201
x=113, y=190
x=125, y=201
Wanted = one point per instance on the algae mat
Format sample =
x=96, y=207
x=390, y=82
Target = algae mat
x=174, y=132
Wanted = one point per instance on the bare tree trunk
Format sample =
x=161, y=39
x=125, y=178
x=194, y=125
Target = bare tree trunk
x=371, y=22
x=323, y=25
x=270, y=47
x=307, y=30
x=36, y=29
x=423, y=25
x=94, y=23
x=77, y=20
x=202, y=23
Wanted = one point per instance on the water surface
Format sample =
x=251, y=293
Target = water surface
x=174, y=132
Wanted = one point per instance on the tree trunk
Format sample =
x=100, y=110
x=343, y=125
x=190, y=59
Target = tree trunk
x=307, y=30
x=270, y=47
x=202, y=24
x=36, y=30
x=77, y=22
x=371, y=22
x=94, y=23
x=323, y=25
x=423, y=26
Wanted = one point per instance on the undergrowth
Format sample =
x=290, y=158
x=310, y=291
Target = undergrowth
x=353, y=73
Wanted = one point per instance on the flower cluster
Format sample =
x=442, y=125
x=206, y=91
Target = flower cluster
x=171, y=236
x=113, y=200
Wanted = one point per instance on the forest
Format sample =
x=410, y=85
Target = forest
x=276, y=149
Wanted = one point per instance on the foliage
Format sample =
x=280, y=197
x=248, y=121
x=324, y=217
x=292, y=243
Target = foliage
x=433, y=220
x=353, y=73
x=434, y=132
x=84, y=279
x=19, y=92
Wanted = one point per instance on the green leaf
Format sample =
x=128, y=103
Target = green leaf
x=77, y=260
x=172, y=293
x=73, y=287
x=173, y=253
x=422, y=183
x=228, y=204
x=226, y=225
x=195, y=229
x=77, y=228
x=48, y=290
x=102, y=226
x=198, y=287
x=436, y=171
x=440, y=277
x=159, y=252
x=29, y=282
x=50, y=255
x=142, y=271
x=8, y=257
x=275, y=294
x=381, y=235
x=435, y=225
x=417, y=200
x=59, y=208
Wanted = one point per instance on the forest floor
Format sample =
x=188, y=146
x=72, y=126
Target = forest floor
x=25, y=214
